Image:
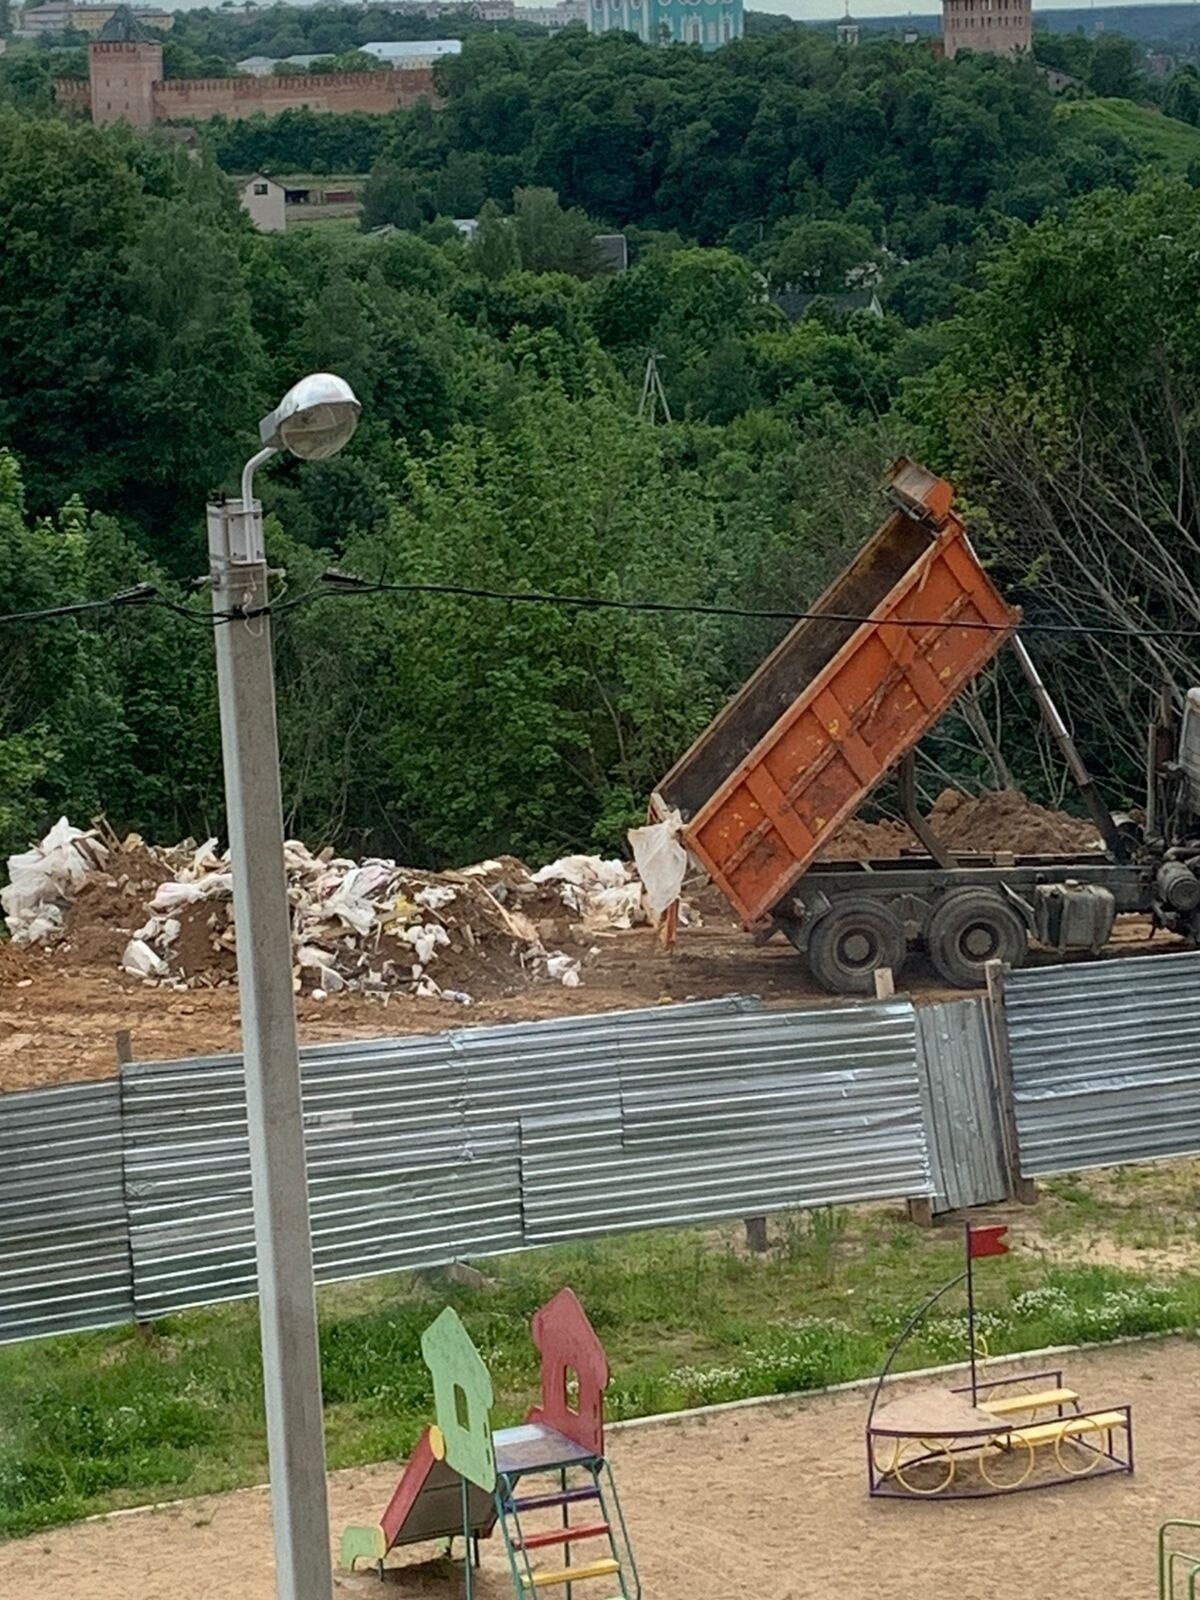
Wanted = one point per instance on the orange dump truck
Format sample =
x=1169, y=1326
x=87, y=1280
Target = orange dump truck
x=838, y=706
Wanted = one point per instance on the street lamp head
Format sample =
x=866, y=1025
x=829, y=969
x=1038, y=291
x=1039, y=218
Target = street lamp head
x=315, y=418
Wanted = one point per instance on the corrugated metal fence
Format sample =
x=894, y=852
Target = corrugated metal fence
x=962, y=1114
x=426, y=1149
x=1105, y=1061
x=64, y=1233
x=132, y=1199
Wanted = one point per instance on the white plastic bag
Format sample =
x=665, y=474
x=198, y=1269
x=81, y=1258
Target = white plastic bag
x=139, y=961
x=661, y=860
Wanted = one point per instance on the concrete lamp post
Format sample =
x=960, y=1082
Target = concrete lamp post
x=314, y=420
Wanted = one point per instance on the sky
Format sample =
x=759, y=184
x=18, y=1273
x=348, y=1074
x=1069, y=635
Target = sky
x=822, y=10
x=812, y=10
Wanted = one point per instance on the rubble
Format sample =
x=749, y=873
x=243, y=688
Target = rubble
x=164, y=916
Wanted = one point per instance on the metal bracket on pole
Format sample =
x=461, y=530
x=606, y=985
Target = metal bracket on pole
x=235, y=533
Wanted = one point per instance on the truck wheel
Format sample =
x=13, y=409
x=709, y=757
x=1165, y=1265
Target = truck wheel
x=971, y=927
x=853, y=939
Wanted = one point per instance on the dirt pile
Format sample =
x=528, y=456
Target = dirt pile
x=1002, y=819
x=165, y=916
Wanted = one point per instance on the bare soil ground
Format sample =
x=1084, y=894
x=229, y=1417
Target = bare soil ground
x=758, y=1504
x=58, y=1024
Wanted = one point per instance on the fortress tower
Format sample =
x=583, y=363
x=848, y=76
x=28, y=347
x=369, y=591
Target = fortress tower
x=124, y=63
x=993, y=27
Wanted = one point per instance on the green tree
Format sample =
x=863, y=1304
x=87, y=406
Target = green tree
x=551, y=239
x=1114, y=67
x=822, y=257
x=1067, y=412
x=132, y=370
x=389, y=197
x=494, y=247
x=553, y=724
x=1182, y=98
x=108, y=712
x=25, y=82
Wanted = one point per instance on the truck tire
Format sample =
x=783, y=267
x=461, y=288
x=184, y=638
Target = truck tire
x=971, y=927
x=851, y=941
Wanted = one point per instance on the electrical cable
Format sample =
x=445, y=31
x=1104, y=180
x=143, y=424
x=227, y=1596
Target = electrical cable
x=139, y=594
x=344, y=585
x=335, y=584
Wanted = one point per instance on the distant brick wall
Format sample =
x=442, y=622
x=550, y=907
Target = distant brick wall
x=190, y=99
x=74, y=93
x=125, y=85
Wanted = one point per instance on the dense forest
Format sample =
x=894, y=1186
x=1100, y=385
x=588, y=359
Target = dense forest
x=1038, y=282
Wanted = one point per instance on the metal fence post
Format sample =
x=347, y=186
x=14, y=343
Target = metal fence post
x=124, y=1049
x=1021, y=1188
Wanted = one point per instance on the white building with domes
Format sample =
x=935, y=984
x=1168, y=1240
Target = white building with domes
x=708, y=23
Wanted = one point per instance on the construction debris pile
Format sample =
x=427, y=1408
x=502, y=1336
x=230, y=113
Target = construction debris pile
x=166, y=916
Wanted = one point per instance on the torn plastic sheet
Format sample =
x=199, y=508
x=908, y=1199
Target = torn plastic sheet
x=661, y=859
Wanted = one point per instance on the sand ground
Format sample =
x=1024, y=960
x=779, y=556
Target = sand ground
x=756, y=1504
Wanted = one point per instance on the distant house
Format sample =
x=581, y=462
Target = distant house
x=554, y=17
x=401, y=54
x=57, y=16
x=1057, y=81
x=264, y=201
x=669, y=22
x=793, y=304
x=411, y=52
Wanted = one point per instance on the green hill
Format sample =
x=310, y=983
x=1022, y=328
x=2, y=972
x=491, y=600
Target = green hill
x=1154, y=137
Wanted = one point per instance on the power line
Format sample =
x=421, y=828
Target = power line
x=337, y=585
x=139, y=595
x=344, y=585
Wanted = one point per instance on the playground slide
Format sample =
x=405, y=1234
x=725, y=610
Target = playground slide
x=464, y=1477
x=427, y=1504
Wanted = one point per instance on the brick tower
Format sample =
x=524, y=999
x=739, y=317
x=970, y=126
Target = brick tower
x=992, y=27
x=124, y=63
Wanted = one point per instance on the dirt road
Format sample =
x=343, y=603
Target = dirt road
x=59, y=1024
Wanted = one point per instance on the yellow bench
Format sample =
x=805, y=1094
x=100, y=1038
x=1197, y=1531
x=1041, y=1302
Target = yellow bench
x=1019, y=1447
x=1010, y=1405
x=1069, y=1428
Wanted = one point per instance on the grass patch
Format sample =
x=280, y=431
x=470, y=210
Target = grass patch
x=96, y=1421
x=1153, y=137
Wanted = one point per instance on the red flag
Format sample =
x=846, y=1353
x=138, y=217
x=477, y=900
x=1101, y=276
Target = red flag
x=987, y=1241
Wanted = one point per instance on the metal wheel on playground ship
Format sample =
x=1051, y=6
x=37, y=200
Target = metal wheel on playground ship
x=1006, y=1461
x=930, y=1471
x=1081, y=1459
